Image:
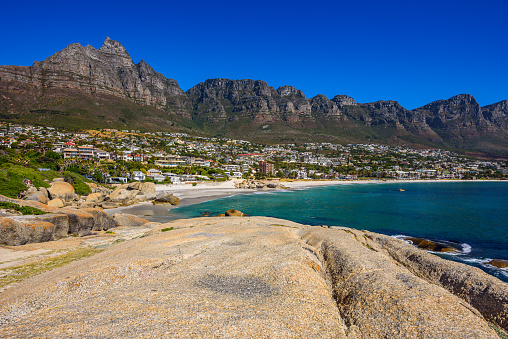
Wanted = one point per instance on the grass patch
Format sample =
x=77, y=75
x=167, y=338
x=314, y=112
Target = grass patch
x=500, y=332
x=20, y=273
x=110, y=232
x=25, y=210
x=167, y=229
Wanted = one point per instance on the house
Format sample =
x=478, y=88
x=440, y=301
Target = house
x=117, y=180
x=152, y=172
x=170, y=161
x=138, y=175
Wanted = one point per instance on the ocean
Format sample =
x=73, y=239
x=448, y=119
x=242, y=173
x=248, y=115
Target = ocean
x=473, y=216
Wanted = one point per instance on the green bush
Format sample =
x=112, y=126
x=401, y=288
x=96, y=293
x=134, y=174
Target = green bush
x=25, y=210
x=78, y=182
x=12, y=176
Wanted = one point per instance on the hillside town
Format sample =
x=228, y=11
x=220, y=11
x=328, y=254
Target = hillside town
x=121, y=156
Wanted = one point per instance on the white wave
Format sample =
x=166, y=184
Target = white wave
x=466, y=248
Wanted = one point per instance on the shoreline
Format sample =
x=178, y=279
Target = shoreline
x=192, y=195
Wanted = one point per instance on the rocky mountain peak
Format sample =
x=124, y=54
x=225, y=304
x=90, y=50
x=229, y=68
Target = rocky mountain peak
x=289, y=90
x=119, y=54
x=344, y=100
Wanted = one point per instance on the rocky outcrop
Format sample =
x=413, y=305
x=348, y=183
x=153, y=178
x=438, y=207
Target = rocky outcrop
x=260, y=184
x=460, y=115
x=485, y=293
x=128, y=194
x=234, y=213
x=256, y=275
x=164, y=197
x=16, y=231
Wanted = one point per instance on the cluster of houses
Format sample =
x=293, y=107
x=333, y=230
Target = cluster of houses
x=237, y=158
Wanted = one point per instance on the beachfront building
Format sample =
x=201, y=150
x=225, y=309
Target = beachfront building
x=170, y=161
x=83, y=152
x=138, y=175
x=267, y=168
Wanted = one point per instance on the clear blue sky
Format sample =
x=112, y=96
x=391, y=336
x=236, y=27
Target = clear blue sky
x=411, y=51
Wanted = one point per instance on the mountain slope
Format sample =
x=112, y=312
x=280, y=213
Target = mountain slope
x=84, y=87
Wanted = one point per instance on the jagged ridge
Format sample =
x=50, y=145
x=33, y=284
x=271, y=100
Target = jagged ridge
x=250, y=108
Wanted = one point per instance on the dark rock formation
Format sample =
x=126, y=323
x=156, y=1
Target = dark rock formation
x=234, y=213
x=433, y=246
x=497, y=114
x=460, y=115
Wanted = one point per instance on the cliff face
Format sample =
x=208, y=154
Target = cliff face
x=105, y=71
x=104, y=87
x=223, y=99
x=460, y=115
x=497, y=114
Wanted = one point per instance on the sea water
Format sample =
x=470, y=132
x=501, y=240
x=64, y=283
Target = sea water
x=473, y=216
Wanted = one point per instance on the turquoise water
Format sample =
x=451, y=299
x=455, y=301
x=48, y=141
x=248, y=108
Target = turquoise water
x=471, y=215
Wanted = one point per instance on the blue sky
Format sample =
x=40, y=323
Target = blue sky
x=411, y=51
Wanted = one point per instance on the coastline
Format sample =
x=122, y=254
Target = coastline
x=191, y=195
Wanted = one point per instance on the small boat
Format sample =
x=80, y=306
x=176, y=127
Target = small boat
x=400, y=190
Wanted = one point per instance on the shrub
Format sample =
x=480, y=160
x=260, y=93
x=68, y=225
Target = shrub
x=25, y=210
x=78, y=182
x=12, y=176
x=167, y=229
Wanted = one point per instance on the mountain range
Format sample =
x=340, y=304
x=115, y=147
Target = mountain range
x=84, y=87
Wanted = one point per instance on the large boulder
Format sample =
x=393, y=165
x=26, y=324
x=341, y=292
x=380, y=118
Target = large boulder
x=61, y=223
x=129, y=220
x=102, y=221
x=38, y=197
x=95, y=197
x=58, y=203
x=82, y=221
x=148, y=189
x=17, y=231
x=122, y=195
x=61, y=190
x=109, y=204
x=165, y=197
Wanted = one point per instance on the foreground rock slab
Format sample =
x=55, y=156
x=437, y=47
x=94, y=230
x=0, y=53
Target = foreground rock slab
x=251, y=277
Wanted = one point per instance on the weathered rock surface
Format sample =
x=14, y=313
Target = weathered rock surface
x=108, y=205
x=164, y=197
x=19, y=230
x=485, y=293
x=129, y=220
x=61, y=190
x=95, y=197
x=58, y=203
x=38, y=197
x=250, y=277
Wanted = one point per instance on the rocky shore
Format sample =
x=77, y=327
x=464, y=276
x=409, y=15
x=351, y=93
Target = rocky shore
x=257, y=277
